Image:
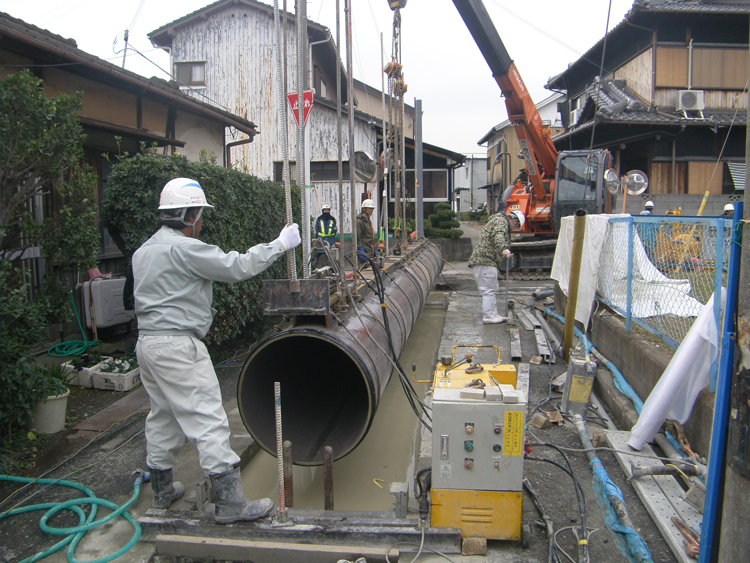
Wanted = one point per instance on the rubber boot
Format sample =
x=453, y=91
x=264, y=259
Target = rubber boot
x=231, y=504
x=165, y=490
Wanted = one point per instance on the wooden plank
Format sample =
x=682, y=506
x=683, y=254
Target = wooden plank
x=515, y=345
x=656, y=497
x=265, y=552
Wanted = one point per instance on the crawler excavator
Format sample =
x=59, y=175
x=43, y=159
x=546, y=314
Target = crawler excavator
x=558, y=183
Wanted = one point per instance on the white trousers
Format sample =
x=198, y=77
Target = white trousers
x=185, y=403
x=488, y=285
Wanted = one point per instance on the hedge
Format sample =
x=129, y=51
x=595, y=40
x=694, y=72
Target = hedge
x=248, y=210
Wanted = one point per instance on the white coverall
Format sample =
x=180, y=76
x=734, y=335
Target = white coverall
x=173, y=277
x=488, y=285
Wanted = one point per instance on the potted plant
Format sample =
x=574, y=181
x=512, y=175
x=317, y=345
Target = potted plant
x=50, y=386
x=81, y=368
x=118, y=374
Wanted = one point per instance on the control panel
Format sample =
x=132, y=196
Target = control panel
x=477, y=444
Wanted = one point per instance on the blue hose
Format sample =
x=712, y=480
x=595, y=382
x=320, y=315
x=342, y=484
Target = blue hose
x=76, y=533
x=72, y=347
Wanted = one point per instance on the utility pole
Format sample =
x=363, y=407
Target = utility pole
x=418, y=173
x=735, y=523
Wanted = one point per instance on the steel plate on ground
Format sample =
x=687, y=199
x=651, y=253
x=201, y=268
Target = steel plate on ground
x=652, y=491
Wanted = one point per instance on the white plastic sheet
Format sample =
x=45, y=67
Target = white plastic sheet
x=687, y=374
x=593, y=241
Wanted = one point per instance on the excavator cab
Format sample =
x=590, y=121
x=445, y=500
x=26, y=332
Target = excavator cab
x=579, y=183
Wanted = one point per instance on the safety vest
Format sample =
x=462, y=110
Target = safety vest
x=326, y=227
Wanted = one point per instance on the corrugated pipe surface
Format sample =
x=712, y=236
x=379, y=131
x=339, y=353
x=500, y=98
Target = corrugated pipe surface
x=332, y=378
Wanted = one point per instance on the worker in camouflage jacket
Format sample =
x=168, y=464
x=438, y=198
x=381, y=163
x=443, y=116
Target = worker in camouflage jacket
x=487, y=257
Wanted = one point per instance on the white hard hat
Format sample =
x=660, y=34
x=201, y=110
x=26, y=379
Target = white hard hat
x=649, y=204
x=368, y=204
x=519, y=216
x=325, y=206
x=181, y=193
x=729, y=207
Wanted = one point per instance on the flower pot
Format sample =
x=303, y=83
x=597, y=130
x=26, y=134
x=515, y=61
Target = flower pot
x=49, y=417
x=83, y=378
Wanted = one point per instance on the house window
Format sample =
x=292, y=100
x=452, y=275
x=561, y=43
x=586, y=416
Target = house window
x=319, y=83
x=328, y=171
x=191, y=74
x=278, y=172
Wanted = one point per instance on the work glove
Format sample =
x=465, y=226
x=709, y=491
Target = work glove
x=506, y=253
x=289, y=236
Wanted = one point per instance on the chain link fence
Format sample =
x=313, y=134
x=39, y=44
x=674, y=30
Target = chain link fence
x=659, y=271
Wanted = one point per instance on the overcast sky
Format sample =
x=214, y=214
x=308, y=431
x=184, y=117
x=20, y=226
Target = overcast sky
x=442, y=65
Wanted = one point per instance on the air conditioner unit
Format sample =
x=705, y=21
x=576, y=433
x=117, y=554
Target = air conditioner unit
x=575, y=115
x=690, y=100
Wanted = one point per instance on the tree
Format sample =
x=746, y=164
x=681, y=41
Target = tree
x=443, y=223
x=46, y=204
x=47, y=195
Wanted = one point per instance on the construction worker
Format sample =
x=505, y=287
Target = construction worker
x=365, y=231
x=486, y=259
x=325, y=229
x=173, y=273
x=648, y=209
x=729, y=210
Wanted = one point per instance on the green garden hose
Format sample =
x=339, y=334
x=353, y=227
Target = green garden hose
x=75, y=534
x=72, y=347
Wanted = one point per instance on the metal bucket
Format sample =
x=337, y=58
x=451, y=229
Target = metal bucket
x=332, y=378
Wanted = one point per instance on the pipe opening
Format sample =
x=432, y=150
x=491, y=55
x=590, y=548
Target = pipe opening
x=325, y=397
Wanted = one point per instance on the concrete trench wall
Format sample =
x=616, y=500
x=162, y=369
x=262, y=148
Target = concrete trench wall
x=642, y=363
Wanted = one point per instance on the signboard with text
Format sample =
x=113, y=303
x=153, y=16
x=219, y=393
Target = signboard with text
x=307, y=98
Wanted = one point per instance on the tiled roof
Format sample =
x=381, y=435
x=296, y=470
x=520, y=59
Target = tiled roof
x=695, y=6
x=67, y=50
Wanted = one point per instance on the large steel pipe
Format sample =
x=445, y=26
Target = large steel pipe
x=332, y=378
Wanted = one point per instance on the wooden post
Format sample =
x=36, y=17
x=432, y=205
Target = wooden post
x=328, y=477
x=288, y=481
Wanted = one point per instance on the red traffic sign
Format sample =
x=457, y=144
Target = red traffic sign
x=307, y=97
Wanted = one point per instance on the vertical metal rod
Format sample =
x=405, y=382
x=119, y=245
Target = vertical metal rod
x=350, y=110
x=301, y=180
x=291, y=264
x=384, y=211
x=328, y=477
x=339, y=148
x=418, y=171
x=629, y=295
x=718, y=280
x=288, y=478
x=507, y=283
x=283, y=516
x=579, y=231
x=717, y=455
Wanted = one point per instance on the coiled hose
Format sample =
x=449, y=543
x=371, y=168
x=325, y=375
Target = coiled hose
x=76, y=533
x=72, y=347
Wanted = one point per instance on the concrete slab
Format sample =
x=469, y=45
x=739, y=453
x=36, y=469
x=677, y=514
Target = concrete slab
x=103, y=420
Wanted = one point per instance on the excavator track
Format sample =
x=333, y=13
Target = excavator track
x=527, y=275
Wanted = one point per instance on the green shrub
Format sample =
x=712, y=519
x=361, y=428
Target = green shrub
x=41, y=139
x=443, y=223
x=248, y=210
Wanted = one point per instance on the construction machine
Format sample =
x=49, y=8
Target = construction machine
x=556, y=184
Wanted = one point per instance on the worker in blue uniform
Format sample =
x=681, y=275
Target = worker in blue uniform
x=325, y=230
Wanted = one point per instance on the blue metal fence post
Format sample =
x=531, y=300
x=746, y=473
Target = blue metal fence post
x=718, y=282
x=714, y=485
x=629, y=309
